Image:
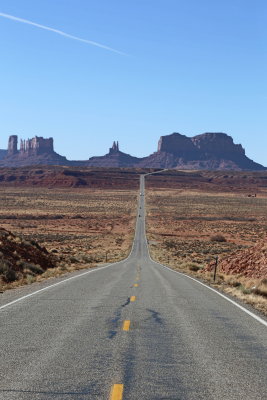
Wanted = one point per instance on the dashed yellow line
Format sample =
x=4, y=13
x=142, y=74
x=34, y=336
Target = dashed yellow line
x=126, y=325
x=116, y=392
x=132, y=298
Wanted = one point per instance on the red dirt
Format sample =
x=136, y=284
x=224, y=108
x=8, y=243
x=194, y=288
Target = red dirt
x=246, y=182
x=251, y=262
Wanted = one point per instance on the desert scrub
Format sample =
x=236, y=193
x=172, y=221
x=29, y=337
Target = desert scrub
x=218, y=238
x=261, y=288
x=244, y=289
x=30, y=279
x=71, y=221
x=29, y=267
x=7, y=272
x=194, y=267
x=170, y=244
x=74, y=260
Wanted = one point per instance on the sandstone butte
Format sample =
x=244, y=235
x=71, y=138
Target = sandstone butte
x=208, y=151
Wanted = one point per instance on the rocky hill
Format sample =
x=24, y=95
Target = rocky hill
x=208, y=151
x=19, y=258
x=251, y=262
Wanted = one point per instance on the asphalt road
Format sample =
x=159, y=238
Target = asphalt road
x=131, y=330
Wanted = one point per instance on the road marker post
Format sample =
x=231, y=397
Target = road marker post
x=215, y=268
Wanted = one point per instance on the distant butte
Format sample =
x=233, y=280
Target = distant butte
x=114, y=158
x=208, y=151
x=33, y=151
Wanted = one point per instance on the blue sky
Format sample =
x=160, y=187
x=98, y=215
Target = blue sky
x=191, y=66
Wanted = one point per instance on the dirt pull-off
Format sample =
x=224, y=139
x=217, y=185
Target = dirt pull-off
x=20, y=258
x=251, y=262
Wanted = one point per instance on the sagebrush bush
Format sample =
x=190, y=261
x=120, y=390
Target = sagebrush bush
x=8, y=274
x=34, y=268
x=261, y=288
x=170, y=244
x=194, y=267
x=218, y=238
x=74, y=260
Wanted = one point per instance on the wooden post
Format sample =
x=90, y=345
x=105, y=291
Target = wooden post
x=215, y=268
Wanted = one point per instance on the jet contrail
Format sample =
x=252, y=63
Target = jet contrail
x=47, y=28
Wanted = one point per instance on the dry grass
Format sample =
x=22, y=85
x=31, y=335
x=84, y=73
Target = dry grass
x=188, y=229
x=83, y=227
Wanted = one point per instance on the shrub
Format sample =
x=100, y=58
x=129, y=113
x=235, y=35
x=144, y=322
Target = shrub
x=119, y=241
x=191, y=266
x=244, y=290
x=74, y=260
x=34, y=268
x=8, y=274
x=170, y=244
x=194, y=267
x=30, y=279
x=261, y=289
x=87, y=259
x=218, y=238
x=236, y=284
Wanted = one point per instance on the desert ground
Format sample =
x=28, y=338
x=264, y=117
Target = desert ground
x=85, y=218
x=187, y=229
x=82, y=227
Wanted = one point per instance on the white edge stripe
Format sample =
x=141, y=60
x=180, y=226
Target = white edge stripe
x=262, y=321
x=54, y=284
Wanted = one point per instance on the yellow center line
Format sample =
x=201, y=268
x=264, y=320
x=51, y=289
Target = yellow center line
x=136, y=285
x=126, y=325
x=116, y=392
x=132, y=298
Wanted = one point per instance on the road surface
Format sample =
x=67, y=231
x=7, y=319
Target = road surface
x=132, y=330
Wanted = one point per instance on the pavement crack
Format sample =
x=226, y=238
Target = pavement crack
x=126, y=303
x=115, y=320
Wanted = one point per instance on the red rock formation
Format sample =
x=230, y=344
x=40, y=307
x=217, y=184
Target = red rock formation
x=115, y=158
x=177, y=144
x=219, y=144
x=115, y=148
x=3, y=154
x=212, y=151
x=215, y=151
x=33, y=151
x=12, y=145
x=36, y=146
x=251, y=262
